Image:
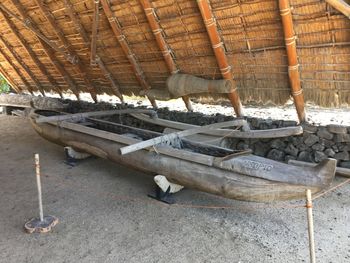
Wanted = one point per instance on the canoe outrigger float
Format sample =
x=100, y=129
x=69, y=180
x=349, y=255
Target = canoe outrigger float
x=212, y=169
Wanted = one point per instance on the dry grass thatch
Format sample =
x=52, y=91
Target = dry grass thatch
x=251, y=31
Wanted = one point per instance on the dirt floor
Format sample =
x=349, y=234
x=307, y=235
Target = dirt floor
x=105, y=215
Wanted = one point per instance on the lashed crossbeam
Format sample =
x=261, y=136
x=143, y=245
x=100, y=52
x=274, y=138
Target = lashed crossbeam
x=79, y=27
x=126, y=48
x=95, y=23
x=18, y=72
x=10, y=80
x=22, y=64
x=28, y=23
x=50, y=52
x=219, y=51
x=293, y=65
x=79, y=65
x=163, y=46
x=31, y=53
x=341, y=6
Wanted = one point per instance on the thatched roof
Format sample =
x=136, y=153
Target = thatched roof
x=251, y=31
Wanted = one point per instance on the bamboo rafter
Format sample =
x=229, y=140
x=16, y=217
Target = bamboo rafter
x=78, y=64
x=18, y=72
x=293, y=65
x=28, y=23
x=10, y=80
x=140, y=76
x=30, y=52
x=22, y=64
x=79, y=27
x=163, y=46
x=219, y=51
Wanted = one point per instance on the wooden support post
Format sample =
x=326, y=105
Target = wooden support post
x=79, y=27
x=18, y=72
x=95, y=23
x=310, y=223
x=126, y=48
x=10, y=80
x=341, y=6
x=293, y=66
x=163, y=46
x=31, y=53
x=219, y=51
x=20, y=62
x=80, y=67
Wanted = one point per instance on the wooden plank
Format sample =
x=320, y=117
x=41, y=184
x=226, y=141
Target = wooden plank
x=339, y=170
x=80, y=116
x=94, y=31
x=172, y=136
x=252, y=134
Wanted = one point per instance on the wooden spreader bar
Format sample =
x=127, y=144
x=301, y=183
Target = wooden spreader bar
x=140, y=76
x=95, y=23
x=219, y=51
x=293, y=68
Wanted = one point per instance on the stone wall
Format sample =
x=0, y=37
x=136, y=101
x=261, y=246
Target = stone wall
x=314, y=145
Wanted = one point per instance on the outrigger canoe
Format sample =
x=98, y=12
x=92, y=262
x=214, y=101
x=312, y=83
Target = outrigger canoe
x=212, y=169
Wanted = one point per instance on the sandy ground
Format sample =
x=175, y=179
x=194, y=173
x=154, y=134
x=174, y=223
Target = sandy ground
x=105, y=215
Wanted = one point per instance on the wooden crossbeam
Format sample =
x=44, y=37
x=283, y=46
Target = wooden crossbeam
x=341, y=6
x=18, y=72
x=30, y=52
x=140, y=76
x=293, y=65
x=220, y=53
x=79, y=27
x=22, y=64
x=79, y=65
x=10, y=80
x=162, y=44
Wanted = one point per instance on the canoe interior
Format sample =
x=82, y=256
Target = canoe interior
x=128, y=126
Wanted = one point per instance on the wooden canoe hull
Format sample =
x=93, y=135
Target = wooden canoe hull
x=211, y=179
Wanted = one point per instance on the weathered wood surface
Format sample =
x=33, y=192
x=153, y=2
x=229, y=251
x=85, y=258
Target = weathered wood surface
x=339, y=170
x=27, y=101
x=80, y=116
x=207, y=178
x=173, y=136
x=252, y=134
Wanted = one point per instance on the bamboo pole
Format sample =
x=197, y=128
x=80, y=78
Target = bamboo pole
x=77, y=24
x=140, y=76
x=18, y=72
x=310, y=223
x=163, y=46
x=78, y=64
x=23, y=65
x=10, y=80
x=219, y=51
x=28, y=24
x=38, y=183
x=341, y=6
x=293, y=66
x=31, y=53
x=95, y=23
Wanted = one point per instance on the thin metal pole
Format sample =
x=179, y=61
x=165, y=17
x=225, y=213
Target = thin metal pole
x=310, y=222
x=38, y=183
